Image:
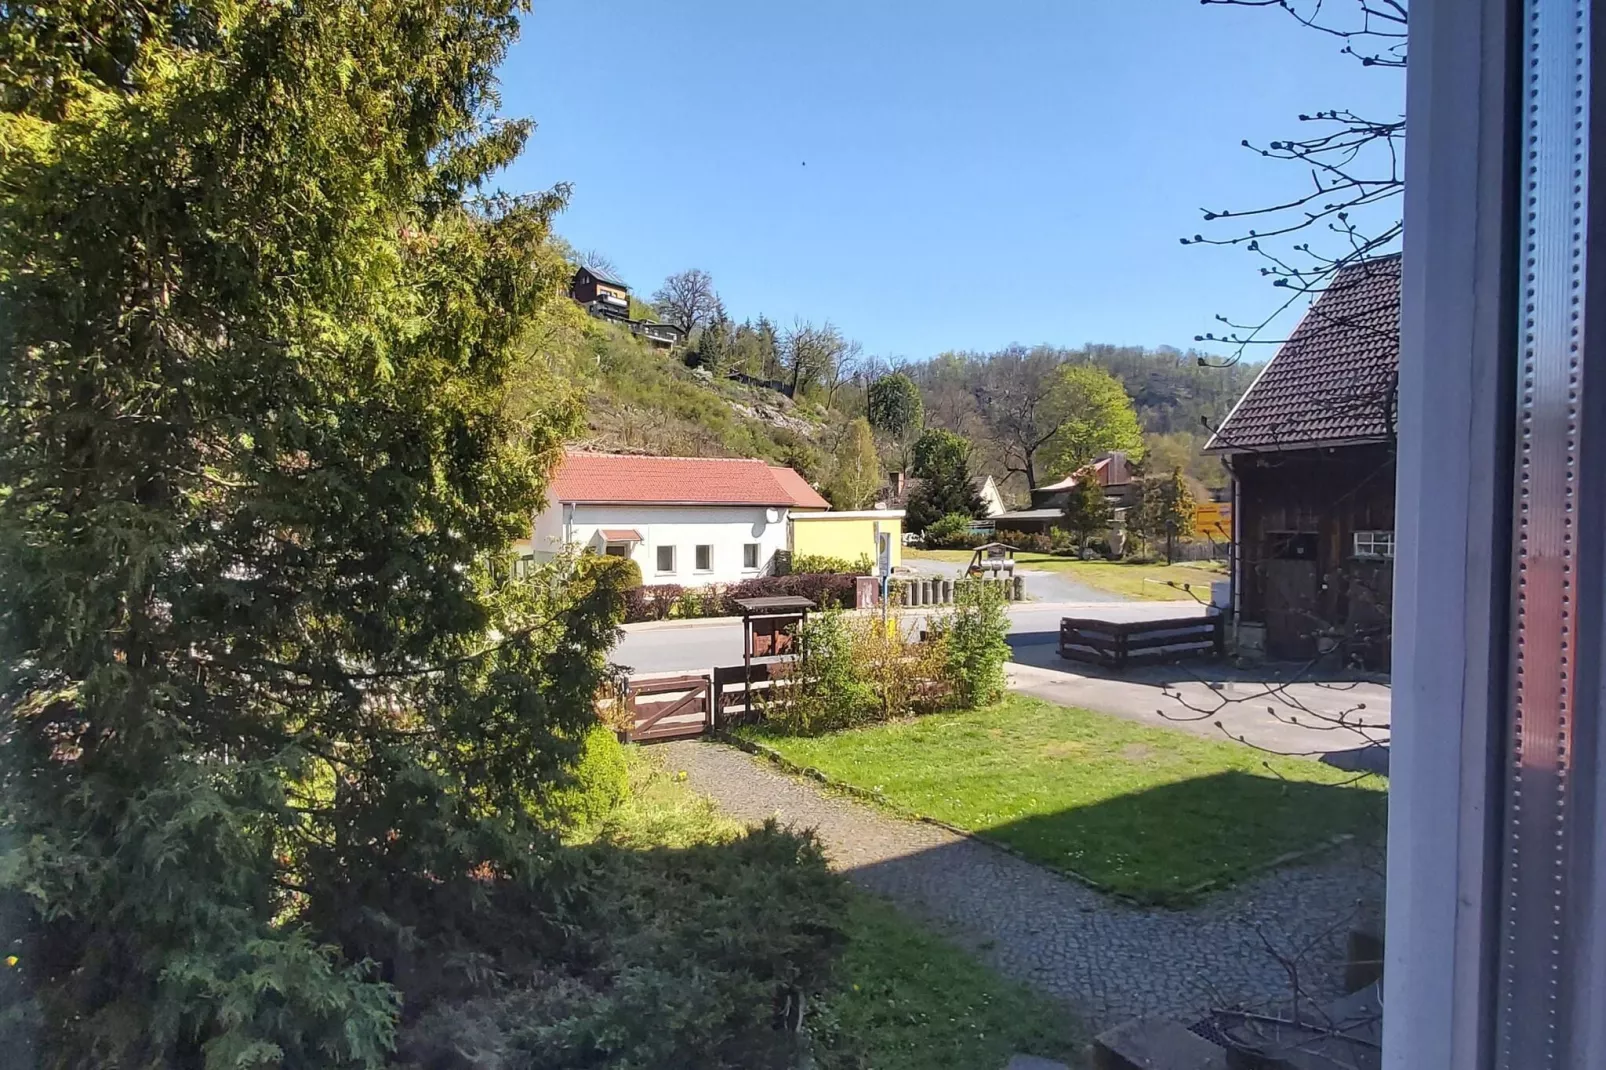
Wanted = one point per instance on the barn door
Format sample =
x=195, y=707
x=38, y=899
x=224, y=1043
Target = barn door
x=1293, y=589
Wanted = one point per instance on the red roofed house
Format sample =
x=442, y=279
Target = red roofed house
x=686, y=520
x=1311, y=449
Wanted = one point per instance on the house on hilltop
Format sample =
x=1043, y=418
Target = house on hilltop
x=608, y=298
x=602, y=295
x=1310, y=447
x=696, y=520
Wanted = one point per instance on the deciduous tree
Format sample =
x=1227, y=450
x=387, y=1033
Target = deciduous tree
x=895, y=407
x=858, y=468
x=1091, y=414
x=687, y=299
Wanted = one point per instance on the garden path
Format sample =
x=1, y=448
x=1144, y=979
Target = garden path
x=1108, y=960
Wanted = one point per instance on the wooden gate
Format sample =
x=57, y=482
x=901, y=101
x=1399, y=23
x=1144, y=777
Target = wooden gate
x=669, y=707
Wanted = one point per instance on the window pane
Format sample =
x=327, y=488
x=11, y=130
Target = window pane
x=750, y=555
x=705, y=558
x=666, y=559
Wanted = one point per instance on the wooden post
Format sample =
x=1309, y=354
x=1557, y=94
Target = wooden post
x=1020, y=588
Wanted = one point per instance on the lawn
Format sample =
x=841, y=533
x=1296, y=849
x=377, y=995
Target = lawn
x=1151, y=813
x=902, y=999
x=1134, y=580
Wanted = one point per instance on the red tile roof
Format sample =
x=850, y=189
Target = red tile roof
x=611, y=477
x=1333, y=381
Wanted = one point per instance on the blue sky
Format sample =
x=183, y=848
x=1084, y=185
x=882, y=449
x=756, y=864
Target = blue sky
x=976, y=173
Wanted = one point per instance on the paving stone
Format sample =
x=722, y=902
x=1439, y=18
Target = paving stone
x=1107, y=960
x=1155, y=1044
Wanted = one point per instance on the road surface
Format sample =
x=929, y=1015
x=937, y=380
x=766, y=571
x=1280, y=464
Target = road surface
x=681, y=646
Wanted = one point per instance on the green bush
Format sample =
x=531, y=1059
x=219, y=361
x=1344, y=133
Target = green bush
x=947, y=528
x=976, y=633
x=601, y=779
x=823, y=689
x=690, y=935
x=839, y=566
x=621, y=572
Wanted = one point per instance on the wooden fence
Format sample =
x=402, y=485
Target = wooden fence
x=669, y=707
x=1102, y=642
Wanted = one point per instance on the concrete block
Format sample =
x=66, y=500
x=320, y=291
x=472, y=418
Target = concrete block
x=1155, y=1044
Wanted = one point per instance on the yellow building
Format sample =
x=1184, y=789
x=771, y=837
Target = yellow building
x=847, y=535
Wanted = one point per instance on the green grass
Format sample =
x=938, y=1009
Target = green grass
x=1132, y=579
x=1148, y=812
x=907, y=1000
x=902, y=998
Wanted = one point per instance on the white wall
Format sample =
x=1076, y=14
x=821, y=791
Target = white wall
x=726, y=528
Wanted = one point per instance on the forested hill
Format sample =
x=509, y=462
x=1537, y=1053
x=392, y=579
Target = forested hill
x=790, y=394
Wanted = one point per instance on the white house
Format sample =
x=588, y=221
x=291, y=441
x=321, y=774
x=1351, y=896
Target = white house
x=686, y=520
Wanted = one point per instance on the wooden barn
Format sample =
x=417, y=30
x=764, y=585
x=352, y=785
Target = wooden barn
x=1311, y=449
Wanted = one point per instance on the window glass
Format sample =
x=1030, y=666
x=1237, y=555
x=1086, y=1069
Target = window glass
x=750, y=555
x=666, y=559
x=705, y=558
x=617, y=549
x=1375, y=544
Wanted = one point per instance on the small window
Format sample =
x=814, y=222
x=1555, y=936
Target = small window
x=750, y=557
x=617, y=549
x=666, y=559
x=1374, y=545
x=705, y=558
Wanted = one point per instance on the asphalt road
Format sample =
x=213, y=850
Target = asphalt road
x=681, y=646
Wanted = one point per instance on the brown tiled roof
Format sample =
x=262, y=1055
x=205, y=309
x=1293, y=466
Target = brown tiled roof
x=1333, y=381
x=612, y=477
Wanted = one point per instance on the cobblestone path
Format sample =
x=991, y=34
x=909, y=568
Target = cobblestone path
x=1108, y=960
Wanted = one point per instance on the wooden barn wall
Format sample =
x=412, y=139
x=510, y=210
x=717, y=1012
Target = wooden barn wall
x=1331, y=494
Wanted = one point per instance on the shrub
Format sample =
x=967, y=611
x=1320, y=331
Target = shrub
x=976, y=633
x=803, y=563
x=622, y=572
x=599, y=781
x=823, y=689
x=1036, y=542
x=941, y=532
x=825, y=590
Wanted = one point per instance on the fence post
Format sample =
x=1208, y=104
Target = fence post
x=947, y=592
x=1020, y=588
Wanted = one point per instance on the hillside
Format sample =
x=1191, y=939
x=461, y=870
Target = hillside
x=642, y=400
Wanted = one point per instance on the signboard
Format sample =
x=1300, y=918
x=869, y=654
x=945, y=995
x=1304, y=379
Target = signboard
x=1213, y=519
x=883, y=552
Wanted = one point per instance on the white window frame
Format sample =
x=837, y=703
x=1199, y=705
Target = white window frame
x=756, y=552
x=697, y=553
x=1374, y=545
x=658, y=560
x=608, y=549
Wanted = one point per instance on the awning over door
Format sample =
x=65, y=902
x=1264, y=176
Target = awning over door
x=621, y=535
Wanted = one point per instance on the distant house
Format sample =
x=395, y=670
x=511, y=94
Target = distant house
x=900, y=487
x=602, y=295
x=1113, y=470
x=606, y=297
x=695, y=520
x=1310, y=447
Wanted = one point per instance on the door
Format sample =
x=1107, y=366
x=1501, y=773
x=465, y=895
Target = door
x=1293, y=590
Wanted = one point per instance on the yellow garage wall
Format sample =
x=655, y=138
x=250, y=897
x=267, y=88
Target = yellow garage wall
x=844, y=536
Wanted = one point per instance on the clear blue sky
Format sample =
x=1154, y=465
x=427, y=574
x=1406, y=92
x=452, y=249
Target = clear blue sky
x=976, y=173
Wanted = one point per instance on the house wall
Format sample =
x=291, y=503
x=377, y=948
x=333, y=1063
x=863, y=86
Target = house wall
x=845, y=535
x=726, y=528
x=992, y=502
x=1326, y=495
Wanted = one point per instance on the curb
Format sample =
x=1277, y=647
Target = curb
x=1192, y=892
